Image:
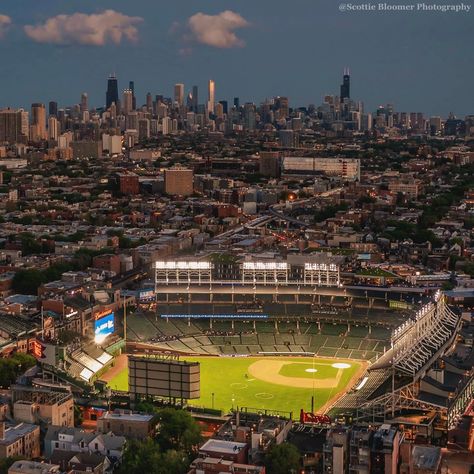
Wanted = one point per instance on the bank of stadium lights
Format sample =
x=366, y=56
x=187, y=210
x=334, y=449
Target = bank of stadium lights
x=265, y=266
x=183, y=265
x=321, y=267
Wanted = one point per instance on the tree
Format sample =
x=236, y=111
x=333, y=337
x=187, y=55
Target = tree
x=78, y=417
x=147, y=457
x=12, y=367
x=178, y=430
x=5, y=463
x=282, y=459
x=27, y=281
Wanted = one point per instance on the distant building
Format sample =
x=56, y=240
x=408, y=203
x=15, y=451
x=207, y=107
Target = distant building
x=22, y=440
x=129, y=183
x=112, y=92
x=109, y=262
x=112, y=144
x=179, y=181
x=38, y=122
x=126, y=423
x=209, y=465
x=346, y=85
x=33, y=467
x=336, y=451
x=179, y=94
x=269, y=164
x=288, y=138
x=127, y=101
x=14, y=126
x=56, y=408
x=86, y=149
x=212, y=96
x=409, y=187
x=228, y=450
x=346, y=168
x=77, y=440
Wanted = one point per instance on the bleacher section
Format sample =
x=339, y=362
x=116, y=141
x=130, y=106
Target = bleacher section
x=86, y=362
x=364, y=389
x=240, y=337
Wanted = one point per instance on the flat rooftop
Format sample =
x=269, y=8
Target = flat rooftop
x=222, y=447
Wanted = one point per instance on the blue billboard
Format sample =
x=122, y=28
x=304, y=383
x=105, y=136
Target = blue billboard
x=103, y=327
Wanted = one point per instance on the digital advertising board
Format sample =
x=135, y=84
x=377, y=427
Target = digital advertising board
x=103, y=327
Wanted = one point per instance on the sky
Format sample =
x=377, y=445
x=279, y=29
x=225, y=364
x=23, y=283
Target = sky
x=254, y=49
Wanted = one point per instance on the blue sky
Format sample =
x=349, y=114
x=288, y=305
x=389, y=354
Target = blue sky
x=419, y=61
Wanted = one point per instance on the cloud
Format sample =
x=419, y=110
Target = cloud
x=217, y=30
x=5, y=22
x=96, y=29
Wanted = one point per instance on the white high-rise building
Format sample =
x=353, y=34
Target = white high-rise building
x=212, y=96
x=166, y=125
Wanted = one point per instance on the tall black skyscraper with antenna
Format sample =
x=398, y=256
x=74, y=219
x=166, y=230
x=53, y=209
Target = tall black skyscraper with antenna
x=346, y=85
x=112, y=91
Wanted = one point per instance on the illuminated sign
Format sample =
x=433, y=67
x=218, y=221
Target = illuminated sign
x=146, y=294
x=101, y=313
x=320, y=266
x=37, y=349
x=103, y=327
x=265, y=266
x=314, y=418
x=183, y=265
x=215, y=316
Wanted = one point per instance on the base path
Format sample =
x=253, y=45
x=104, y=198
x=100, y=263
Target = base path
x=269, y=371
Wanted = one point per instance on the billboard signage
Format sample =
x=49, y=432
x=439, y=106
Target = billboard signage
x=146, y=294
x=37, y=349
x=103, y=327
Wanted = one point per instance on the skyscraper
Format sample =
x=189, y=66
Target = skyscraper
x=53, y=128
x=179, y=94
x=149, y=102
x=112, y=91
x=13, y=126
x=224, y=106
x=84, y=102
x=38, y=122
x=53, y=108
x=195, y=99
x=127, y=101
x=131, y=86
x=346, y=85
x=211, y=96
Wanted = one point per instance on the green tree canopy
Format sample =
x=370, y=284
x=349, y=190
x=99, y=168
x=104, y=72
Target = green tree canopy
x=178, y=430
x=282, y=459
x=14, y=366
x=147, y=457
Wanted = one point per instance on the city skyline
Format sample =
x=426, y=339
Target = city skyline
x=340, y=90
x=249, y=50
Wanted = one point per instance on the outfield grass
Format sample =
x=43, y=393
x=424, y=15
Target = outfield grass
x=229, y=381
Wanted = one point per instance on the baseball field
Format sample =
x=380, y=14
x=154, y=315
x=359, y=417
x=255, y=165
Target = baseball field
x=273, y=383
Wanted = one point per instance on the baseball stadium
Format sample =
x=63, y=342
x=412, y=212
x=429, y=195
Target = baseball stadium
x=281, y=336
